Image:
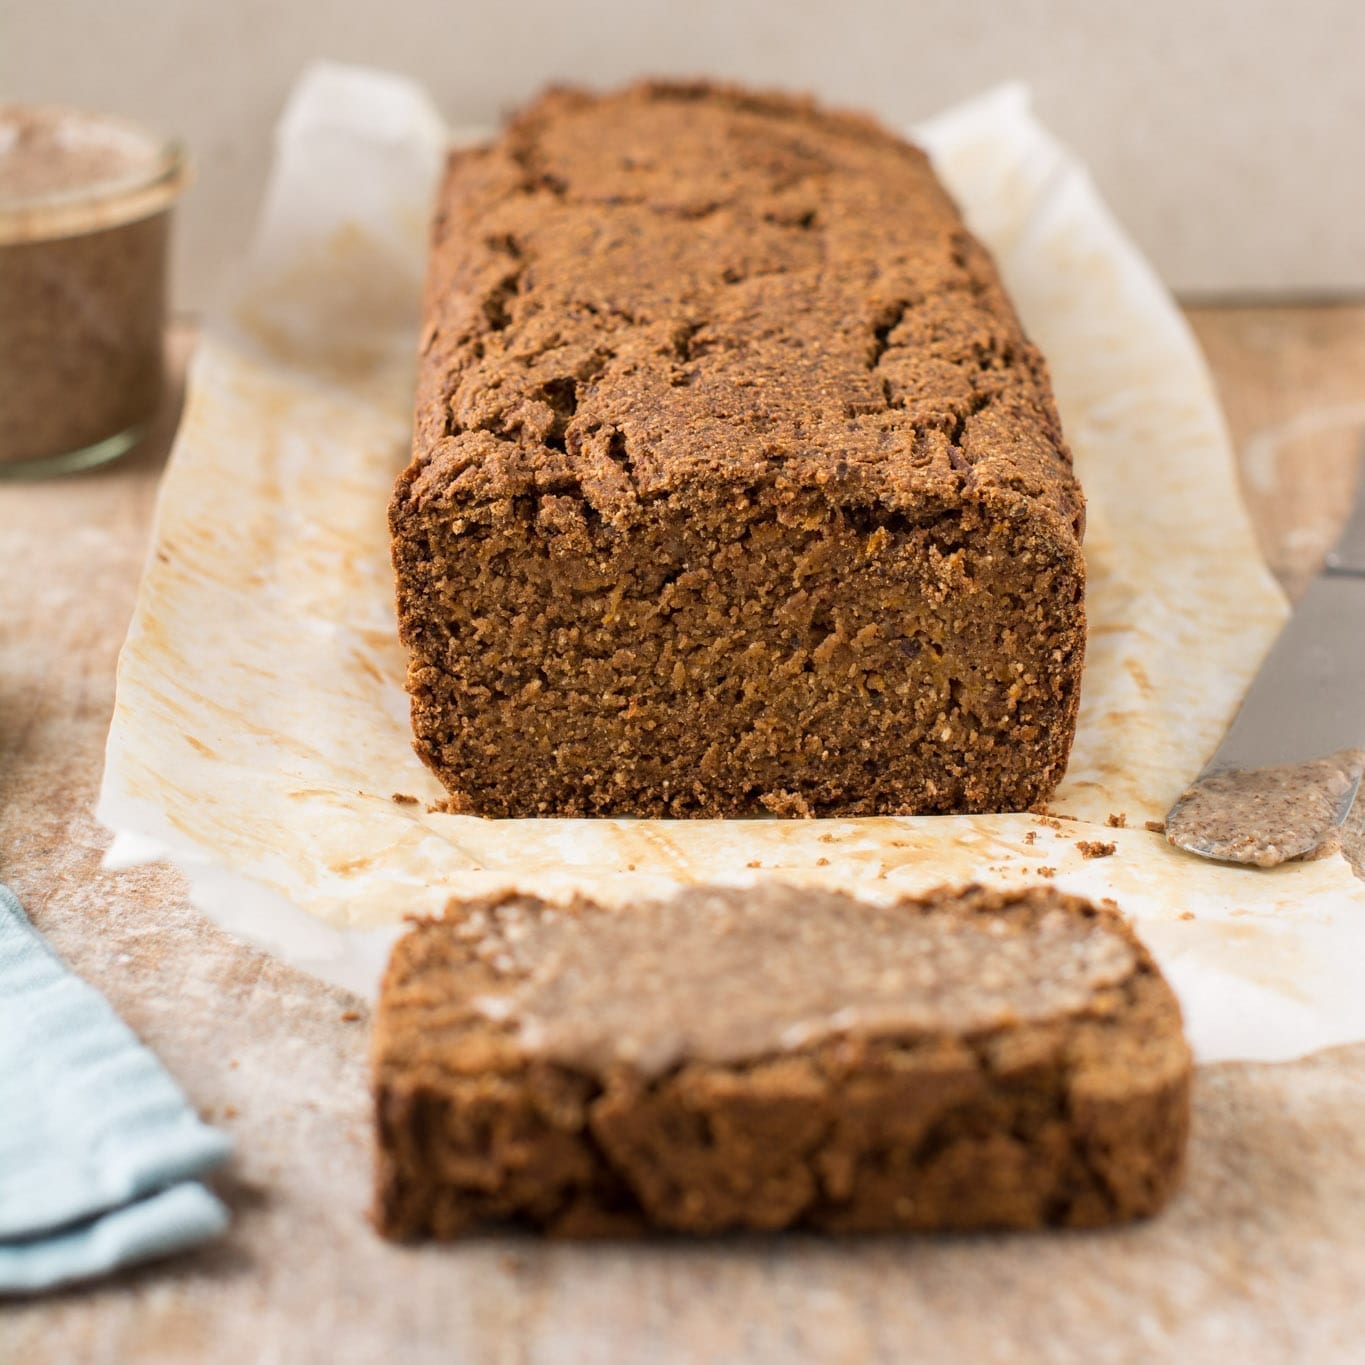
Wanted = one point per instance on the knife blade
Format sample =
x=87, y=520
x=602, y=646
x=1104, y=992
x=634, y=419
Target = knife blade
x=1288, y=769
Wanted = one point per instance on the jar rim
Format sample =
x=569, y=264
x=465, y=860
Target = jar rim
x=149, y=184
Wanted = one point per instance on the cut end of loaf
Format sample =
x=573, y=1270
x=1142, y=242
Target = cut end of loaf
x=737, y=651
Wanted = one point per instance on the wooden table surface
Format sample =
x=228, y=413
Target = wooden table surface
x=1261, y=1257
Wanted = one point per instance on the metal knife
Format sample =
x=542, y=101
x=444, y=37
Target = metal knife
x=1289, y=767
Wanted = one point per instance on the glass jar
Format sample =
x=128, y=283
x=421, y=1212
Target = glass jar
x=85, y=208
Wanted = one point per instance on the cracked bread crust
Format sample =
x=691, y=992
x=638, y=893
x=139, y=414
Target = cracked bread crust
x=1075, y=1118
x=736, y=484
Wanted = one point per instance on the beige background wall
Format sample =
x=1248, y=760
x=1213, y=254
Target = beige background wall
x=1229, y=136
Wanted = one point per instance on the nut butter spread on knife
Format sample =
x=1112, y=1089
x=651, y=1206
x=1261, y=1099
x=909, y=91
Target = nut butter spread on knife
x=1286, y=774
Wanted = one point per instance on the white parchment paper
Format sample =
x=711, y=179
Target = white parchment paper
x=260, y=734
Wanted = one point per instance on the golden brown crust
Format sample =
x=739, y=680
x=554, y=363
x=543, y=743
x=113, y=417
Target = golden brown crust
x=722, y=411
x=1078, y=1118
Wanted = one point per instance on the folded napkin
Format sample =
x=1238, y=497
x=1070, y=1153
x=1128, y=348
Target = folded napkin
x=98, y=1147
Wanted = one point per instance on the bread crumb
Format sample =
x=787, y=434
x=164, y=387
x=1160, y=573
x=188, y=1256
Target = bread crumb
x=403, y=799
x=1186, y=914
x=1047, y=871
x=229, y=1111
x=1049, y=822
x=1095, y=848
x=827, y=838
x=1031, y=836
x=349, y=1016
x=755, y=862
x=1119, y=821
x=822, y=862
x=1156, y=826
x=233, y=1064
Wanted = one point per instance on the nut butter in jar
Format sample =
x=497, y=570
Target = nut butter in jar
x=85, y=207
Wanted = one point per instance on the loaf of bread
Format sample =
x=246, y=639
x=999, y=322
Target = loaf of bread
x=776, y=1057
x=736, y=484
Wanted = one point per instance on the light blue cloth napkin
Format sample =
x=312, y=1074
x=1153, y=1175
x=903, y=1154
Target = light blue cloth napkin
x=99, y=1149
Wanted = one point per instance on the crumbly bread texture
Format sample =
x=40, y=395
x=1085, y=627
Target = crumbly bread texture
x=774, y=1057
x=736, y=484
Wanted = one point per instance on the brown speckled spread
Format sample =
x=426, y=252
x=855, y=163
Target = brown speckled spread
x=736, y=484
x=731, y=976
x=1266, y=816
x=772, y=1057
x=48, y=151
